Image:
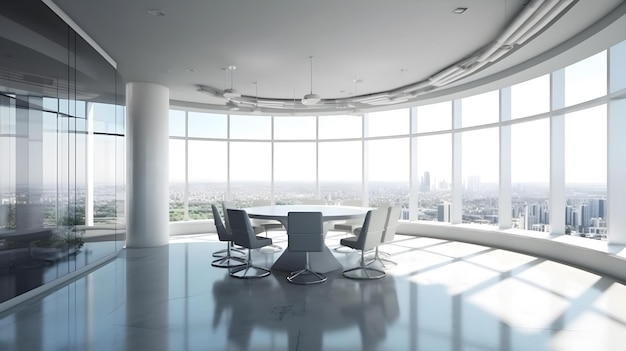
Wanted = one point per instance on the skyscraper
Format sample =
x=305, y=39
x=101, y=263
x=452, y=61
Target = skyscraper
x=425, y=187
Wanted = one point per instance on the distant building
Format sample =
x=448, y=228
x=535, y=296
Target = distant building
x=443, y=212
x=425, y=187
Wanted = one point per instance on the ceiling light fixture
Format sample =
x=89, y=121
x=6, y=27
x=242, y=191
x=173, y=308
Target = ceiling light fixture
x=156, y=12
x=311, y=99
x=232, y=106
x=459, y=10
x=231, y=92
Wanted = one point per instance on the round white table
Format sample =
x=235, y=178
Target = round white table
x=322, y=262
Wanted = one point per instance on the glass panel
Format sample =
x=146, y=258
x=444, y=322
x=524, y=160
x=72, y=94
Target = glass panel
x=105, y=206
x=434, y=169
x=177, y=123
x=530, y=175
x=586, y=79
x=531, y=97
x=585, y=172
x=251, y=127
x=340, y=170
x=480, y=109
x=207, y=125
x=8, y=157
x=207, y=176
x=294, y=172
x=340, y=127
x=250, y=172
x=388, y=172
x=294, y=128
x=178, y=165
x=394, y=122
x=480, y=167
x=45, y=181
x=434, y=117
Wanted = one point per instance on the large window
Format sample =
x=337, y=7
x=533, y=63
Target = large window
x=434, y=171
x=394, y=122
x=531, y=97
x=207, y=176
x=480, y=176
x=480, y=109
x=434, y=117
x=294, y=172
x=340, y=127
x=250, y=172
x=530, y=174
x=294, y=128
x=585, y=171
x=586, y=79
x=292, y=158
x=388, y=170
x=340, y=170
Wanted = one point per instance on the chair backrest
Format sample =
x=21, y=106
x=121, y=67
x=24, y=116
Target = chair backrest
x=372, y=231
x=305, y=231
x=240, y=227
x=222, y=233
x=225, y=206
x=391, y=224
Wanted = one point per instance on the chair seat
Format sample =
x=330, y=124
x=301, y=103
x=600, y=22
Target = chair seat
x=260, y=242
x=350, y=242
x=348, y=227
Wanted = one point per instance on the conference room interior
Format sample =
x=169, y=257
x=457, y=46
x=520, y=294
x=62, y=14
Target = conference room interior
x=472, y=272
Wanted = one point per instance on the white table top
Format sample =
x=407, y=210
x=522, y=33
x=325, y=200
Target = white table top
x=329, y=213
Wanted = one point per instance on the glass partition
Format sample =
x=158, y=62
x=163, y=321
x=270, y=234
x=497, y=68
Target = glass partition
x=61, y=164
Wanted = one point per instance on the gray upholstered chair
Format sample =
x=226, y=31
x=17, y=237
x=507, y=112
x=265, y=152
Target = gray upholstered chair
x=349, y=226
x=243, y=235
x=369, y=238
x=391, y=225
x=227, y=261
x=305, y=232
x=267, y=225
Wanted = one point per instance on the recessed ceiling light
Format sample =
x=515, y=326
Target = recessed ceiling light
x=156, y=12
x=459, y=10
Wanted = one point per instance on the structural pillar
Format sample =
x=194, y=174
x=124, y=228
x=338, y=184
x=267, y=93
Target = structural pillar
x=147, y=165
x=557, y=153
x=616, y=127
x=456, y=212
x=504, y=200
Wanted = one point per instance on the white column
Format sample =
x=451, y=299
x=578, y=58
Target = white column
x=456, y=211
x=413, y=182
x=616, y=144
x=504, y=200
x=557, y=154
x=147, y=157
x=365, y=187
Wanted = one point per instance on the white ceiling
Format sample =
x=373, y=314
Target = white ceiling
x=386, y=44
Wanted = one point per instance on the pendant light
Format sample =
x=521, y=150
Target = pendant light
x=311, y=99
x=231, y=92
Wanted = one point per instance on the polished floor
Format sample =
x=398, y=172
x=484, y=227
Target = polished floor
x=441, y=296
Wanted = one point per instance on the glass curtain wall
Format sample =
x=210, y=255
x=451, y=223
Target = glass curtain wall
x=62, y=151
x=371, y=157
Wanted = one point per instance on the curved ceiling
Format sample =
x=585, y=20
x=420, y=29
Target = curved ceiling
x=385, y=45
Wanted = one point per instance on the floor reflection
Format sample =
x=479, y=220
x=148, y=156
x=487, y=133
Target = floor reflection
x=441, y=296
x=23, y=269
x=304, y=313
